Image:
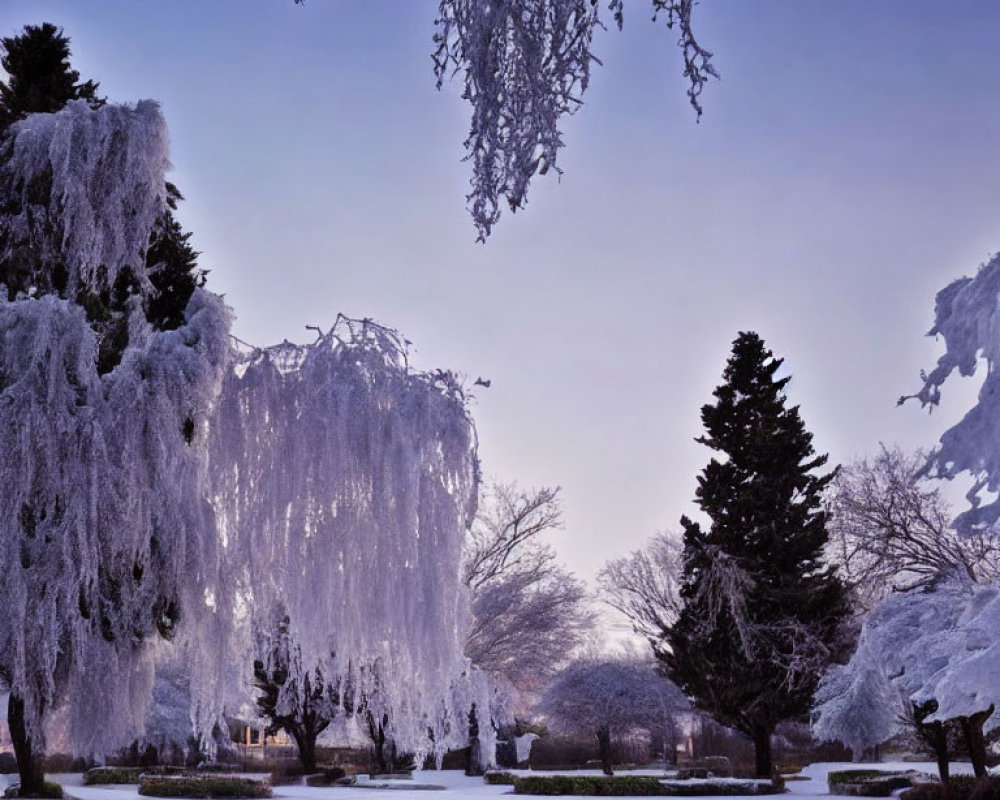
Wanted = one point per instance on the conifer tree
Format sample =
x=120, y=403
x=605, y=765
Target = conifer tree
x=761, y=610
x=40, y=77
x=32, y=261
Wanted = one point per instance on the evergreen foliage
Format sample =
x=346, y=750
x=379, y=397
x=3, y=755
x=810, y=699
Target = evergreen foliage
x=760, y=608
x=40, y=77
x=33, y=259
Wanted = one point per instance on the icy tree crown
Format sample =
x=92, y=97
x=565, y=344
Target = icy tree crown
x=344, y=483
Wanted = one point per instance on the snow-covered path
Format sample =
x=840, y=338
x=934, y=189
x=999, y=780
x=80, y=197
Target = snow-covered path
x=453, y=785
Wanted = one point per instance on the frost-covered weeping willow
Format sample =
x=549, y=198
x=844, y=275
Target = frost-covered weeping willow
x=106, y=538
x=344, y=483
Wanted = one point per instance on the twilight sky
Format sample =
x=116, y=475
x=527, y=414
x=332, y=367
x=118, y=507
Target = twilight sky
x=844, y=171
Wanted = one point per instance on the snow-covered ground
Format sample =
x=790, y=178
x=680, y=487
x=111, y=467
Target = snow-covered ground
x=454, y=784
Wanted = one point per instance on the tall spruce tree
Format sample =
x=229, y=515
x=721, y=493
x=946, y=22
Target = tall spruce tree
x=761, y=609
x=40, y=77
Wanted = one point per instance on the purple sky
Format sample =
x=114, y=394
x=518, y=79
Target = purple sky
x=844, y=171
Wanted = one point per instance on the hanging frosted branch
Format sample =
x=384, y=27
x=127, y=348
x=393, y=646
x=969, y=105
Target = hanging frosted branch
x=967, y=317
x=85, y=188
x=526, y=63
x=724, y=589
x=698, y=66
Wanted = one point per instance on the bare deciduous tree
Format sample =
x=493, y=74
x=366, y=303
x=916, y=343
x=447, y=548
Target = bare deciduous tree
x=644, y=586
x=890, y=531
x=528, y=612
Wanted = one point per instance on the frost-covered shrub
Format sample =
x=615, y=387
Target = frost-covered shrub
x=499, y=778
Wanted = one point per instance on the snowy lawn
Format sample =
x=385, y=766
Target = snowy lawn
x=456, y=785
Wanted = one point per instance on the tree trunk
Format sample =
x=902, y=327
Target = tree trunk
x=604, y=747
x=474, y=766
x=376, y=731
x=972, y=727
x=306, y=741
x=29, y=764
x=939, y=741
x=762, y=753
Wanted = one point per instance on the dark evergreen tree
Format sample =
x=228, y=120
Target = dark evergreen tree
x=40, y=79
x=762, y=610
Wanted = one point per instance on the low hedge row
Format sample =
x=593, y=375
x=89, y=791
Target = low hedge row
x=499, y=778
x=211, y=785
x=99, y=776
x=723, y=788
x=960, y=787
x=50, y=791
x=328, y=777
x=637, y=786
x=869, y=782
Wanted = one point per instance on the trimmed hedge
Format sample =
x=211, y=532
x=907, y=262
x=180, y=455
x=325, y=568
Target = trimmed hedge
x=328, y=777
x=728, y=788
x=500, y=778
x=869, y=782
x=211, y=785
x=50, y=791
x=637, y=786
x=99, y=776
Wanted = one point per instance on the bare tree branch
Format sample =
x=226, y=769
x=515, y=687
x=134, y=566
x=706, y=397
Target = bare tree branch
x=890, y=531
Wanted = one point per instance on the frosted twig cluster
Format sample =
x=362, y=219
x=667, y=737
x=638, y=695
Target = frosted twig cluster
x=526, y=64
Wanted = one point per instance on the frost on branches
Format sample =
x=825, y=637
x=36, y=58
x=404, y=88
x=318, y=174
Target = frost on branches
x=344, y=483
x=526, y=64
x=967, y=317
x=938, y=644
x=104, y=534
x=528, y=613
x=87, y=187
x=607, y=699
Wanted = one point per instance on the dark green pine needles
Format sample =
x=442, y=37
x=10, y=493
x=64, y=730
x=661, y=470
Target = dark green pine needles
x=761, y=609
